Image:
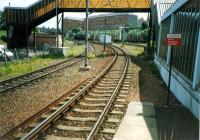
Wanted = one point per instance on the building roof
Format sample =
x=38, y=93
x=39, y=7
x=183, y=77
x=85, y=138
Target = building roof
x=75, y=18
x=110, y=14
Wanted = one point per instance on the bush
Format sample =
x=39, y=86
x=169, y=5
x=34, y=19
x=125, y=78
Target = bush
x=91, y=56
x=75, y=51
x=4, y=38
x=80, y=36
x=102, y=55
x=76, y=30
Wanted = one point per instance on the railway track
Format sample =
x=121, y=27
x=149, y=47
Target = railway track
x=98, y=103
x=18, y=81
x=33, y=76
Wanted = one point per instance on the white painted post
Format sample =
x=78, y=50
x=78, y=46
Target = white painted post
x=159, y=39
x=171, y=31
x=196, y=76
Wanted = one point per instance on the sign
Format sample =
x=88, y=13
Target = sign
x=173, y=39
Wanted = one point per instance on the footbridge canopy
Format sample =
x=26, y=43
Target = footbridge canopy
x=46, y=9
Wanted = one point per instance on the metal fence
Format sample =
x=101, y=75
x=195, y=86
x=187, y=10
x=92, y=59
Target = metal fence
x=187, y=23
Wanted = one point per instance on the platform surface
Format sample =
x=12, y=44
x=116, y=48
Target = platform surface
x=139, y=123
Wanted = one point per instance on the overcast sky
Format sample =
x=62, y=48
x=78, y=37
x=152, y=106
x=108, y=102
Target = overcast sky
x=52, y=22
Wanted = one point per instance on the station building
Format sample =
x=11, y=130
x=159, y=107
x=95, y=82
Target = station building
x=182, y=17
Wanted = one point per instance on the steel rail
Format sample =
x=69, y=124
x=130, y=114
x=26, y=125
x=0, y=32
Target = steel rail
x=39, y=70
x=40, y=76
x=109, y=104
x=44, y=124
x=47, y=108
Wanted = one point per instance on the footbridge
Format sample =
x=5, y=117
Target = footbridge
x=22, y=20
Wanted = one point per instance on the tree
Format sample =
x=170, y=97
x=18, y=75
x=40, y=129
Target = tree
x=144, y=26
x=76, y=30
x=2, y=21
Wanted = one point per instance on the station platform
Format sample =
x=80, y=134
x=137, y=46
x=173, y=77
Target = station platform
x=139, y=123
x=144, y=121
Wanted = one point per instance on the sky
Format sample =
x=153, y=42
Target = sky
x=52, y=22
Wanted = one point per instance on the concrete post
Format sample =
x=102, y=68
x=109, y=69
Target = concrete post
x=159, y=39
x=196, y=76
x=171, y=31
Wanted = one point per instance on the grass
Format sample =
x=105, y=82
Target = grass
x=24, y=66
x=2, y=33
x=68, y=43
x=134, y=50
x=75, y=51
x=91, y=56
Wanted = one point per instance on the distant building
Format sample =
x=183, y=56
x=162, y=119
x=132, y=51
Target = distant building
x=71, y=23
x=42, y=38
x=140, y=21
x=113, y=21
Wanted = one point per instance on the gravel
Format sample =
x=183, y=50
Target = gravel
x=18, y=105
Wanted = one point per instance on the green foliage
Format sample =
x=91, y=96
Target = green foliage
x=2, y=20
x=144, y=26
x=80, y=36
x=137, y=35
x=24, y=66
x=76, y=30
x=3, y=37
x=91, y=56
x=68, y=43
x=75, y=51
x=102, y=55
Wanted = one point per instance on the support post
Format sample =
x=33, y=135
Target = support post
x=8, y=37
x=34, y=40
x=104, y=46
x=86, y=33
x=57, y=27
x=149, y=32
x=123, y=30
x=170, y=73
x=26, y=43
x=62, y=29
x=170, y=59
x=159, y=39
x=196, y=76
x=153, y=35
x=5, y=58
x=171, y=31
